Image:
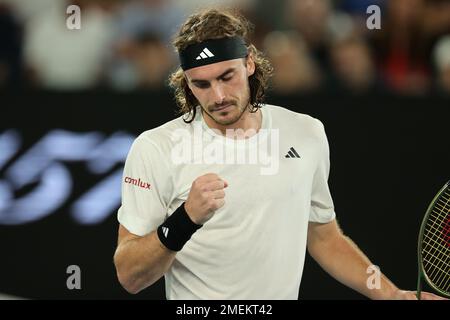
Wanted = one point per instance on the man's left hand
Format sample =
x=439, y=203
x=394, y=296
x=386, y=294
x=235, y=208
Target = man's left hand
x=412, y=295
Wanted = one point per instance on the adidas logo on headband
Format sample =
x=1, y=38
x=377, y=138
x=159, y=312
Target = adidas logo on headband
x=205, y=54
x=201, y=54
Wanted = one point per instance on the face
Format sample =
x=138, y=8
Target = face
x=222, y=89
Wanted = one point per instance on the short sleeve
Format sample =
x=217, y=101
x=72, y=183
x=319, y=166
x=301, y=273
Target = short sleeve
x=146, y=188
x=322, y=207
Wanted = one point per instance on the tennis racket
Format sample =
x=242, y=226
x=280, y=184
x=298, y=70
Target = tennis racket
x=433, y=246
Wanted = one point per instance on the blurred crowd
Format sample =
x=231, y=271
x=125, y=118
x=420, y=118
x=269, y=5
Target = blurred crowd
x=314, y=45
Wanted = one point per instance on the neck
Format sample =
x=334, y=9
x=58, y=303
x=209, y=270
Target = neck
x=248, y=124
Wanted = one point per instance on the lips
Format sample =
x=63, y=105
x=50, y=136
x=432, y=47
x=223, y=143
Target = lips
x=222, y=107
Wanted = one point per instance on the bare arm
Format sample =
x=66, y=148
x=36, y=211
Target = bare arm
x=342, y=259
x=140, y=261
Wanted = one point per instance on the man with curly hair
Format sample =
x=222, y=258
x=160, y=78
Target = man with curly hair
x=199, y=204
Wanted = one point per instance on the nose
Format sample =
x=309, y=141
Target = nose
x=218, y=94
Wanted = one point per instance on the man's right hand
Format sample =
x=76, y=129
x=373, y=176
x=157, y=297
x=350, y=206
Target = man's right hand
x=205, y=197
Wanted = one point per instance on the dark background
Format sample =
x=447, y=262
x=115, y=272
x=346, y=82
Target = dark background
x=389, y=156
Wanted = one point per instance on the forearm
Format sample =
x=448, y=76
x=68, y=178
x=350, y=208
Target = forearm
x=141, y=262
x=342, y=259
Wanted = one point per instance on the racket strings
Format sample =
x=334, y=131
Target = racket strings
x=436, y=257
x=436, y=246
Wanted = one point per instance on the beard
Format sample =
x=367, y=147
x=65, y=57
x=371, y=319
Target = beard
x=226, y=113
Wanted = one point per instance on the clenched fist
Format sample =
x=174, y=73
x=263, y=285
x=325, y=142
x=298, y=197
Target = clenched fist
x=206, y=196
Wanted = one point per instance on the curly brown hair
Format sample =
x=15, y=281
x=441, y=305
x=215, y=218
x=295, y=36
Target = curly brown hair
x=216, y=24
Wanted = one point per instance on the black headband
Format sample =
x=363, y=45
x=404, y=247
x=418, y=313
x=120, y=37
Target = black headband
x=212, y=51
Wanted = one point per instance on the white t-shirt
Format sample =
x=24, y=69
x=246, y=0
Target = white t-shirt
x=254, y=246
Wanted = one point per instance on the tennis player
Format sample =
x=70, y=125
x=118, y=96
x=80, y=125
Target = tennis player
x=224, y=200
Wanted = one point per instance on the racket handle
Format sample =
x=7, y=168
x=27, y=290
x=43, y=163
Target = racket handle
x=419, y=287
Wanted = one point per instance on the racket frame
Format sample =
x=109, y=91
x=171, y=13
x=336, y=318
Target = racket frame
x=421, y=274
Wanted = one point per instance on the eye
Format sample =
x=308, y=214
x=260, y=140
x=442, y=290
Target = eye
x=202, y=85
x=228, y=78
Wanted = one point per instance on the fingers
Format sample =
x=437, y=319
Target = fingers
x=205, y=197
x=431, y=296
x=208, y=177
x=219, y=203
x=218, y=194
x=412, y=295
x=212, y=177
x=215, y=185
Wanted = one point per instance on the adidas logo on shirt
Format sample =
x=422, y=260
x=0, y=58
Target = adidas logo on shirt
x=292, y=153
x=165, y=231
x=205, y=54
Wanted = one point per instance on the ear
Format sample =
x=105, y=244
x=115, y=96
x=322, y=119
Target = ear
x=250, y=65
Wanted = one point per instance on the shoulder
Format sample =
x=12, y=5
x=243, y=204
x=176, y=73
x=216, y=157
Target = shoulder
x=159, y=140
x=163, y=136
x=285, y=118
